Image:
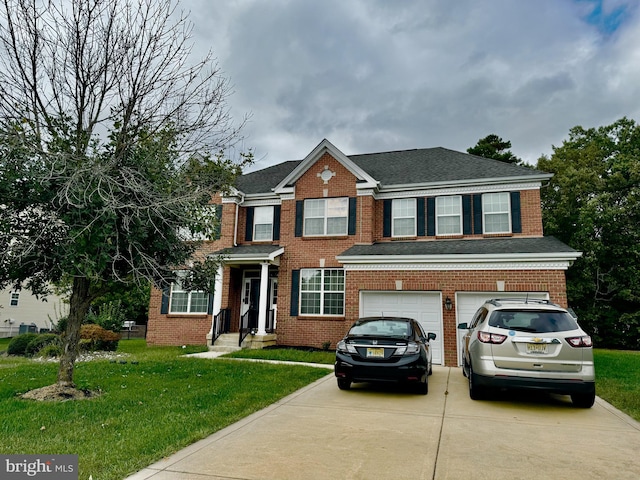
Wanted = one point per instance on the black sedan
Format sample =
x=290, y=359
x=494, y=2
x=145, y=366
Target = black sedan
x=385, y=349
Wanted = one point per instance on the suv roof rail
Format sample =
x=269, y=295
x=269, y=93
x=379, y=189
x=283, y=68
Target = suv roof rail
x=499, y=301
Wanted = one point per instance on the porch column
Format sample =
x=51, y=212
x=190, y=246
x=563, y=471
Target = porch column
x=262, y=308
x=217, y=295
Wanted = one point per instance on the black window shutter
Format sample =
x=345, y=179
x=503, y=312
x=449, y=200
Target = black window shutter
x=516, y=220
x=276, y=222
x=295, y=287
x=386, y=218
x=218, y=227
x=431, y=216
x=248, y=231
x=420, y=216
x=299, y=217
x=477, y=214
x=164, y=305
x=466, y=215
x=210, y=304
x=352, y=216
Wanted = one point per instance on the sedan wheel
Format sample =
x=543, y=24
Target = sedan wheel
x=344, y=383
x=423, y=387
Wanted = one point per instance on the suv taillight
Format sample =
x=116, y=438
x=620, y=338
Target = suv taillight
x=580, y=341
x=496, y=338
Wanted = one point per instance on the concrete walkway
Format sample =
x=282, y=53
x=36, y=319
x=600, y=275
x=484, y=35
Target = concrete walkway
x=321, y=432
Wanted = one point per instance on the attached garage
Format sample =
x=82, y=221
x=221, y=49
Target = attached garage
x=467, y=303
x=426, y=307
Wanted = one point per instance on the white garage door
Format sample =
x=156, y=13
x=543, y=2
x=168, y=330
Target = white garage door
x=426, y=307
x=468, y=303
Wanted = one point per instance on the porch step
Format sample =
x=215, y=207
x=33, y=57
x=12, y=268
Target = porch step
x=227, y=342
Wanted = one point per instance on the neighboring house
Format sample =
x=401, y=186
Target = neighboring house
x=22, y=312
x=309, y=246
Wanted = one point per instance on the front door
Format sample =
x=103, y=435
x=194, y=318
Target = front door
x=251, y=300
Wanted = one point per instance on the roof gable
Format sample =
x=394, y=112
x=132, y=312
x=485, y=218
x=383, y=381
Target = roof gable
x=325, y=146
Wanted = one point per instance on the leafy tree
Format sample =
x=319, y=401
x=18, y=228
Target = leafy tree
x=492, y=146
x=593, y=204
x=110, y=141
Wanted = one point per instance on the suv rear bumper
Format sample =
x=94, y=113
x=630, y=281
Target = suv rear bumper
x=560, y=386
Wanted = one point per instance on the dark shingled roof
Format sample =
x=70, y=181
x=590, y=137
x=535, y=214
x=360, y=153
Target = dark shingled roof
x=249, y=250
x=418, y=166
x=539, y=245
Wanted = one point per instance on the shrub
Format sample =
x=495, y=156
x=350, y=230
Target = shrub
x=39, y=342
x=18, y=345
x=109, y=316
x=94, y=337
x=61, y=325
x=50, y=350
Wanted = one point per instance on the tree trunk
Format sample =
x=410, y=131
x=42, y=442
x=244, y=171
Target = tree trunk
x=78, y=308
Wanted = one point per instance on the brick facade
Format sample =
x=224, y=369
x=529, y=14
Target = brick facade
x=321, y=252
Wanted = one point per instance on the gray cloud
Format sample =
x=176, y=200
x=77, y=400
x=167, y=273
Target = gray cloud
x=379, y=75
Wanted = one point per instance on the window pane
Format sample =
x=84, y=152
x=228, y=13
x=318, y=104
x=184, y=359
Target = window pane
x=334, y=303
x=199, y=301
x=314, y=226
x=334, y=280
x=497, y=223
x=310, y=303
x=311, y=280
x=449, y=226
x=337, y=207
x=403, y=226
x=405, y=207
x=495, y=202
x=179, y=302
x=263, y=231
x=337, y=226
x=314, y=208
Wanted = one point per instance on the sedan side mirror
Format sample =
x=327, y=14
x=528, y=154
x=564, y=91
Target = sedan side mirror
x=463, y=326
x=431, y=336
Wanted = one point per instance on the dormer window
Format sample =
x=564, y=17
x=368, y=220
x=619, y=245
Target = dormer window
x=403, y=213
x=326, y=216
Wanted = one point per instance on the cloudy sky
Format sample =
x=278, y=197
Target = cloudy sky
x=378, y=75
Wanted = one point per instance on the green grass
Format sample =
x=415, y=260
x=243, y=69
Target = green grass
x=618, y=379
x=287, y=354
x=148, y=409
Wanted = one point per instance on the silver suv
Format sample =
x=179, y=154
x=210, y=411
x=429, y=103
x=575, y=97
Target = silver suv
x=526, y=343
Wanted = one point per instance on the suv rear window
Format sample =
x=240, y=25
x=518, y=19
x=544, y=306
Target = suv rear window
x=534, y=321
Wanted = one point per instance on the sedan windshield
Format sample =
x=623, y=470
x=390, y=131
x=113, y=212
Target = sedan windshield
x=534, y=321
x=384, y=328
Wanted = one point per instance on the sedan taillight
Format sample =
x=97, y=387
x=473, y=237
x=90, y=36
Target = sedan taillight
x=580, y=342
x=410, y=349
x=486, y=337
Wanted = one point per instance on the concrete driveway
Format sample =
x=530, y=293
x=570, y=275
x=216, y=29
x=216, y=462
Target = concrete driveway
x=321, y=432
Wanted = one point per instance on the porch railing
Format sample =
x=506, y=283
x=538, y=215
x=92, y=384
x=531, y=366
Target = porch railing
x=221, y=323
x=249, y=323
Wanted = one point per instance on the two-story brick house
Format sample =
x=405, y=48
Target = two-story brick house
x=309, y=246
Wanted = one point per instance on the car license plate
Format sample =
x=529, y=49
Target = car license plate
x=536, y=348
x=375, y=352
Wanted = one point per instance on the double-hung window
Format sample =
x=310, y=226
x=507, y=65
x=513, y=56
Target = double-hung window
x=263, y=224
x=449, y=215
x=326, y=216
x=403, y=215
x=15, y=297
x=321, y=291
x=183, y=301
x=496, y=210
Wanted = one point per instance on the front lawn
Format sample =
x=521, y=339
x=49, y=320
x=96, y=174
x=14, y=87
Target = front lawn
x=618, y=379
x=154, y=402
x=288, y=354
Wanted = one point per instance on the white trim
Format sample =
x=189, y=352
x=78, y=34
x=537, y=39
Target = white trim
x=459, y=266
x=439, y=190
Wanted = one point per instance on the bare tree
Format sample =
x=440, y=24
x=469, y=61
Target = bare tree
x=111, y=144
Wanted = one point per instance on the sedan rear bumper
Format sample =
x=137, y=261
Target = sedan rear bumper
x=406, y=369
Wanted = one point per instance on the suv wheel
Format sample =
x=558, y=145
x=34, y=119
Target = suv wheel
x=584, y=400
x=344, y=383
x=475, y=392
